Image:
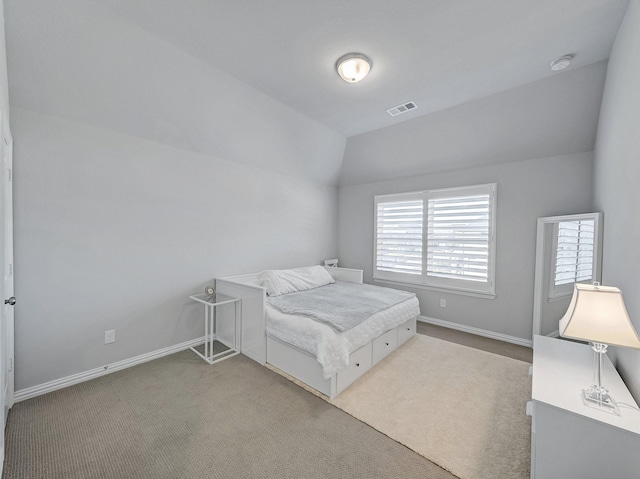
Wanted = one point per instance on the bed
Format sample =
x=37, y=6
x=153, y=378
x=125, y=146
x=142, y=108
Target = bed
x=326, y=357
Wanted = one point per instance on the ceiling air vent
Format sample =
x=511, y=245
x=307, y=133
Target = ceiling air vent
x=397, y=110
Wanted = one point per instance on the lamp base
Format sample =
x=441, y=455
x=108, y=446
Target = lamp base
x=598, y=397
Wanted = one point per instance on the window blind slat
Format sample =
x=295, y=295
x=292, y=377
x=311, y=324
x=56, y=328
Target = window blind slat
x=458, y=232
x=399, y=236
x=574, y=251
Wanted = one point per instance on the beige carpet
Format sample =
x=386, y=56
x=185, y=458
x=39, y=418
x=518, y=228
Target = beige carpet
x=462, y=408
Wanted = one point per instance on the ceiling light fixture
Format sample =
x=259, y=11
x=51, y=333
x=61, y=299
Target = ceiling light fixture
x=561, y=63
x=353, y=67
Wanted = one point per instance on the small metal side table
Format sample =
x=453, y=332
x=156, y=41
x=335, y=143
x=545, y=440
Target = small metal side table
x=210, y=324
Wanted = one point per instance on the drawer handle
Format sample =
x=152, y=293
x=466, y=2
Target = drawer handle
x=357, y=365
x=387, y=344
x=408, y=329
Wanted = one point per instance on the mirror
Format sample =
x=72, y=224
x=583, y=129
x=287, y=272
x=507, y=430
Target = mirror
x=568, y=250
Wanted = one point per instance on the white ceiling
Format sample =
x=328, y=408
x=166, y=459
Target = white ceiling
x=438, y=53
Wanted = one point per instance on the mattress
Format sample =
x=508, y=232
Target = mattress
x=331, y=348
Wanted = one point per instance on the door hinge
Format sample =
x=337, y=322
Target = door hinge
x=10, y=364
x=10, y=269
x=9, y=174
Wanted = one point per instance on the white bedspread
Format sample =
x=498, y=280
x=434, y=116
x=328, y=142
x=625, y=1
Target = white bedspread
x=331, y=348
x=341, y=305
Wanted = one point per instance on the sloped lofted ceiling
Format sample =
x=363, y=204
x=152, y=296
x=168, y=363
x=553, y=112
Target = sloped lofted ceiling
x=229, y=78
x=552, y=117
x=438, y=53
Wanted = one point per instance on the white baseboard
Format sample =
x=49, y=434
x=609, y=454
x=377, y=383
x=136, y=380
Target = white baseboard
x=56, y=384
x=480, y=332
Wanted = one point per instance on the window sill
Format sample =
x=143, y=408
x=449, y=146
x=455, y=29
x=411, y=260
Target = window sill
x=462, y=292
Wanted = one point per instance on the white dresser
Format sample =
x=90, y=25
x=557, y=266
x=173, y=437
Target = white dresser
x=571, y=440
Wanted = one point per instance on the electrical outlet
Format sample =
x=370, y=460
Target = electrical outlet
x=443, y=303
x=110, y=336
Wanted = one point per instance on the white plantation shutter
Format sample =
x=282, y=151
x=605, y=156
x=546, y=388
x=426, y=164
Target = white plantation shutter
x=453, y=247
x=574, y=252
x=399, y=230
x=458, y=237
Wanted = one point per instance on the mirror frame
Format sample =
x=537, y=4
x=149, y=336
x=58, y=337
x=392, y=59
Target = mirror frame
x=538, y=292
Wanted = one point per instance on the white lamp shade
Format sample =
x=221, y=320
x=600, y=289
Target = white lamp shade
x=598, y=314
x=353, y=67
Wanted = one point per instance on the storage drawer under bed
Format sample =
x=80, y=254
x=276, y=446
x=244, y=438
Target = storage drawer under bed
x=384, y=345
x=406, y=331
x=359, y=363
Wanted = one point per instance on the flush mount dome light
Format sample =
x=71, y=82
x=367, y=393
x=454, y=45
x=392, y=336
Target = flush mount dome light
x=561, y=63
x=353, y=67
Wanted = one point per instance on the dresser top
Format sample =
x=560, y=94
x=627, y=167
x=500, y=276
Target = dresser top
x=562, y=369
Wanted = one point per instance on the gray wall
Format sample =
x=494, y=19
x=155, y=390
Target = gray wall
x=617, y=170
x=114, y=232
x=4, y=82
x=139, y=177
x=526, y=190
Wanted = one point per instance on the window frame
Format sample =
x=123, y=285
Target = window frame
x=424, y=281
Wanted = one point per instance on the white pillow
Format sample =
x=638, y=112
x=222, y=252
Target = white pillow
x=284, y=281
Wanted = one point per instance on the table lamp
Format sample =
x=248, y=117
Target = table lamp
x=598, y=314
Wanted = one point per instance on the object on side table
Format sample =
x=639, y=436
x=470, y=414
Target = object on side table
x=598, y=314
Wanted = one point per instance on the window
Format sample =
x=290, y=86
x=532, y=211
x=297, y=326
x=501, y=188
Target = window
x=399, y=224
x=574, y=243
x=438, y=238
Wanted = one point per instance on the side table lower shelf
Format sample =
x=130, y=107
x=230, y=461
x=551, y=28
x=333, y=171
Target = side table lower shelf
x=210, y=327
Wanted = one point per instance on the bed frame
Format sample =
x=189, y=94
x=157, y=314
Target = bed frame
x=298, y=363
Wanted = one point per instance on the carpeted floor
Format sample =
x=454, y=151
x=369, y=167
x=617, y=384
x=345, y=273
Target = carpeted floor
x=494, y=346
x=178, y=417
